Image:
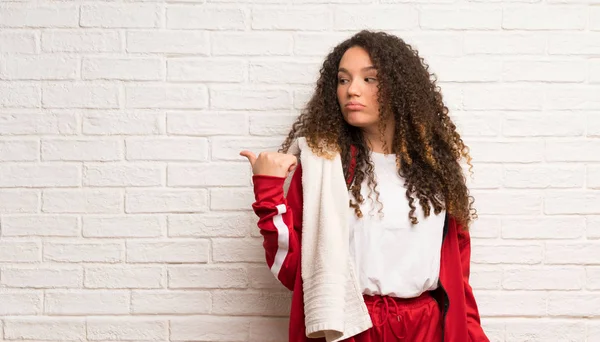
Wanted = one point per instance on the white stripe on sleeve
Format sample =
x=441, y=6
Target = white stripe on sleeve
x=283, y=240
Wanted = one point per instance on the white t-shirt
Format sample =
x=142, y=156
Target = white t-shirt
x=391, y=256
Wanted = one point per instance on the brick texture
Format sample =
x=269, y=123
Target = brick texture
x=125, y=207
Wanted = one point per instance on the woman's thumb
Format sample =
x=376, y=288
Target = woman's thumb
x=248, y=154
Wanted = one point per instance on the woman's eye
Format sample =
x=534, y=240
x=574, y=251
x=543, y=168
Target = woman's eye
x=368, y=80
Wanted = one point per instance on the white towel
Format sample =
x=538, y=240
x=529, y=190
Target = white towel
x=333, y=303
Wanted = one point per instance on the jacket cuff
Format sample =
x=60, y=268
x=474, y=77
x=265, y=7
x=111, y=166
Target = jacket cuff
x=268, y=188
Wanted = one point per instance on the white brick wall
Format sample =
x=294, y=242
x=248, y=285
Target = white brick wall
x=125, y=208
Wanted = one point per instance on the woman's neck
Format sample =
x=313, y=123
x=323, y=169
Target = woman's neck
x=375, y=141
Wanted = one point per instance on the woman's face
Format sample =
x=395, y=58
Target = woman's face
x=357, y=88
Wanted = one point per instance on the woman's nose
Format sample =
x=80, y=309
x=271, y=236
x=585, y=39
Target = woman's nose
x=354, y=88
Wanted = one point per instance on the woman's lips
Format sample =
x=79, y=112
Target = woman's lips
x=354, y=106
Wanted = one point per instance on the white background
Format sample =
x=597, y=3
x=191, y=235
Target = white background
x=125, y=208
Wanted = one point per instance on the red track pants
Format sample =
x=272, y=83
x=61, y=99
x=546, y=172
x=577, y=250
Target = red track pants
x=398, y=319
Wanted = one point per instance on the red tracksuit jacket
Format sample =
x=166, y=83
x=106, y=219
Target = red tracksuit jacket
x=280, y=223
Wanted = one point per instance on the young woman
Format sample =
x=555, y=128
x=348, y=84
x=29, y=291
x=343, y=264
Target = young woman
x=377, y=128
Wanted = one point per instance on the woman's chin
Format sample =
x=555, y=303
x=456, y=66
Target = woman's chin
x=357, y=119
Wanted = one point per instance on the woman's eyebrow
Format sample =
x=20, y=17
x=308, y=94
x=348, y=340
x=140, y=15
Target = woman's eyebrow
x=363, y=69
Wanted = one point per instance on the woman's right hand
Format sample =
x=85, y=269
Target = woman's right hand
x=271, y=163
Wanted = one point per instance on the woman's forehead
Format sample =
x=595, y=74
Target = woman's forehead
x=356, y=59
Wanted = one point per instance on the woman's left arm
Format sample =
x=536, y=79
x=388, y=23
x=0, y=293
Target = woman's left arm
x=476, y=333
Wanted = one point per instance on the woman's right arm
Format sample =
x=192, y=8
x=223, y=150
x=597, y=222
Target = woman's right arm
x=280, y=223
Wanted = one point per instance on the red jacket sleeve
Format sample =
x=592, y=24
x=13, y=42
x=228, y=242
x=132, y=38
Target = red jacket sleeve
x=280, y=223
x=476, y=333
